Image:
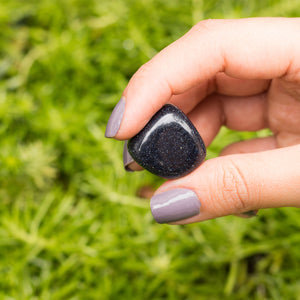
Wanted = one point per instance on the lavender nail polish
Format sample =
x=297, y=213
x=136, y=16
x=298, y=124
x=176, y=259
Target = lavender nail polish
x=174, y=205
x=115, y=119
x=127, y=159
x=248, y=214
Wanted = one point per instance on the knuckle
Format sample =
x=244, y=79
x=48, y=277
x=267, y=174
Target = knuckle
x=150, y=71
x=206, y=26
x=233, y=195
x=143, y=71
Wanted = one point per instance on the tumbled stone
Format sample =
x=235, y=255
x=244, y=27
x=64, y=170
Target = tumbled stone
x=169, y=145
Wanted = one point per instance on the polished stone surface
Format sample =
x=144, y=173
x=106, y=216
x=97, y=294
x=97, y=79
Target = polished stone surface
x=169, y=145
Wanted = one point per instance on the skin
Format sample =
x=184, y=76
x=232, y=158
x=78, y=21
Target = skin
x=244, y=74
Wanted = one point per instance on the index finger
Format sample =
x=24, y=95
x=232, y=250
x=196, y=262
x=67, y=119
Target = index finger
x=258, y=48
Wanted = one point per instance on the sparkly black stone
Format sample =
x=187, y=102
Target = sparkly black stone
x=169, y=145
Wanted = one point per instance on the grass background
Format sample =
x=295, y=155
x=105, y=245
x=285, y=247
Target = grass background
x=71, y=225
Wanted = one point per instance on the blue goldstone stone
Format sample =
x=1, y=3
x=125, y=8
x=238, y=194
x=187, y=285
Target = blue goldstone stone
x=169, y=145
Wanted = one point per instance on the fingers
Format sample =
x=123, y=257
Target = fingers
x=245, y=49
x=208, y=118
x=227, y=85
x=231, y=185
x=240, y=113
x=222, y=84
x=250, y=146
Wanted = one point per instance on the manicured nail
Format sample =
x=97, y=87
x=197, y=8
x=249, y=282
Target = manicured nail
x=129, y=163
x=127, y=159
x=248, y=214
x=174, y=205
x=115, y=119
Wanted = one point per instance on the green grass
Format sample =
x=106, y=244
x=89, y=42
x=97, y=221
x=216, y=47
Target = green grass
x=71, y=225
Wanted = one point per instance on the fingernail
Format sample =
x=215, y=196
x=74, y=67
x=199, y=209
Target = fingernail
x=174, y=205
x=127, y=159
x=248, y=214
x=115, y=119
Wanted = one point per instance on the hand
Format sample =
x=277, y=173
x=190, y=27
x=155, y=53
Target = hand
x=244, y=74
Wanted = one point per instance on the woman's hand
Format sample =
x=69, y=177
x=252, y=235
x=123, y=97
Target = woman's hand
x=244, y=74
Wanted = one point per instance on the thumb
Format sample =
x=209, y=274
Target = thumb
x=231, y=185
